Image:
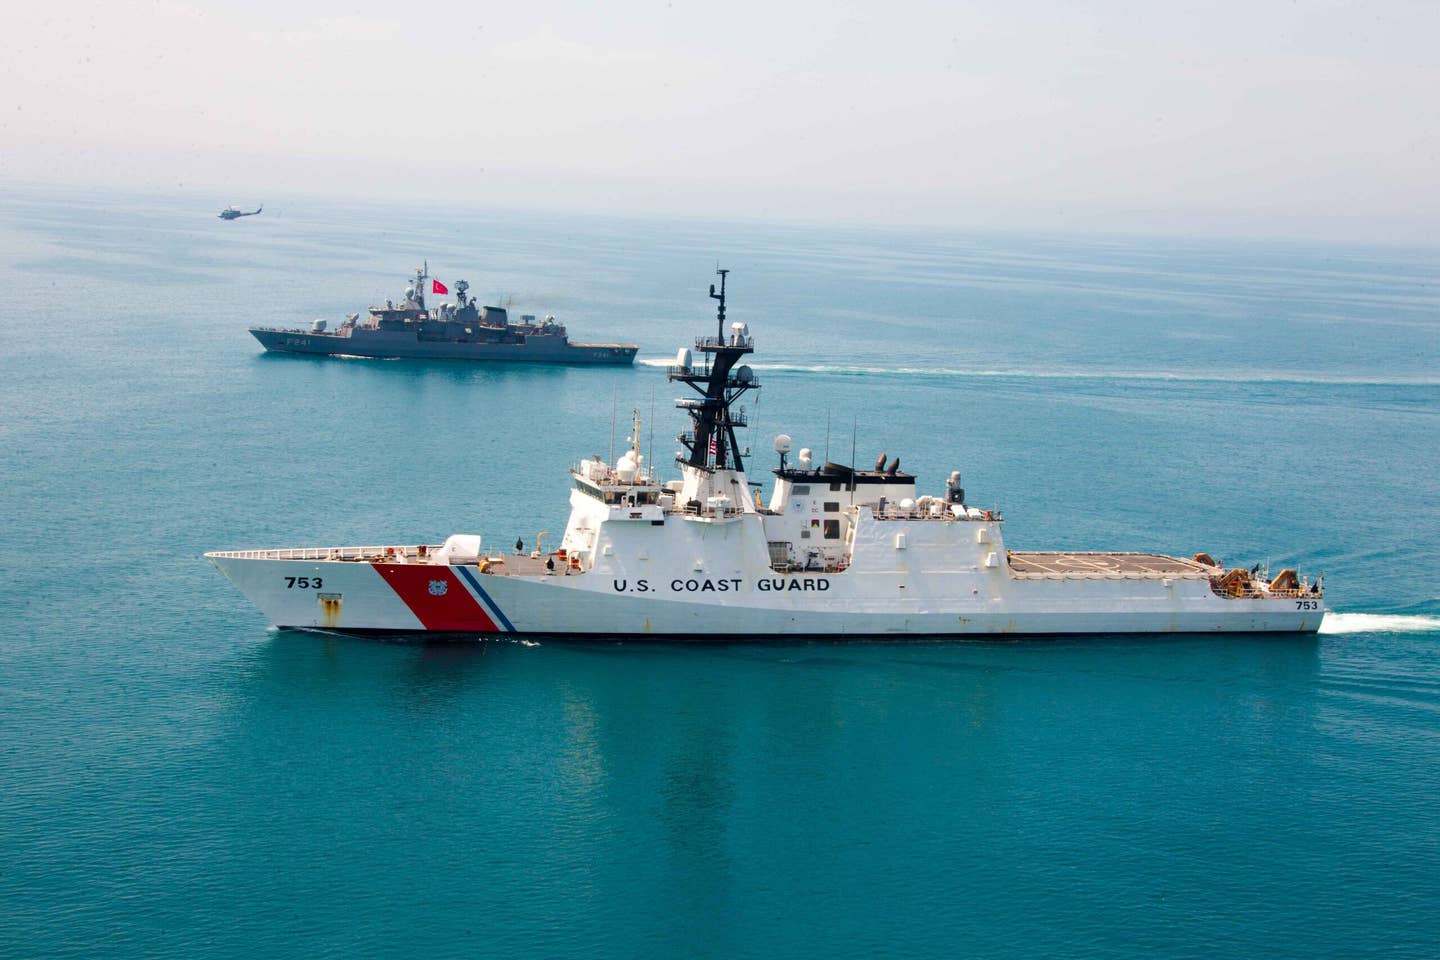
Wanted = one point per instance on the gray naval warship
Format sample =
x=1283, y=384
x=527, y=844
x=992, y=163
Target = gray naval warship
x=464, y=330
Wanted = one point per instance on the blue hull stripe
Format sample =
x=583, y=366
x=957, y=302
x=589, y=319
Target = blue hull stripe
x=499, y=614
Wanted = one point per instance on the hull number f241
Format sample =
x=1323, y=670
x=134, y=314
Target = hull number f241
x=304, y=583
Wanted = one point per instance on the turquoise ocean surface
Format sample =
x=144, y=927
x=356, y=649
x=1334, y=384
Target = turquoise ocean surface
x=177, y=778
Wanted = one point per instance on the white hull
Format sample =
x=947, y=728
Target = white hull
x=623, y=596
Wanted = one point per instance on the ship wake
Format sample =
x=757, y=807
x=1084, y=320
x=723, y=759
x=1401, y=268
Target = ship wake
x=1379, y=623
x=1277, y=377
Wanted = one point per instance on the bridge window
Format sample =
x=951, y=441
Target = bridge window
x=832, y=506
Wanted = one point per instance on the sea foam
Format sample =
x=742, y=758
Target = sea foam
x=1378, y=623
x=1276, y=377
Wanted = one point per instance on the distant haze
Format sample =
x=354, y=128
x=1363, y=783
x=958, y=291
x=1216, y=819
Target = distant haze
x=1314, y=118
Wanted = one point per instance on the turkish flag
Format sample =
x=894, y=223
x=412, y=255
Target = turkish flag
x=437, y=287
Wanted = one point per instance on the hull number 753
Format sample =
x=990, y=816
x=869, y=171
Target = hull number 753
x=304, y=583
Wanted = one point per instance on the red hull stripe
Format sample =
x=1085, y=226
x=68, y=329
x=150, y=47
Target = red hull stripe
x=438, y=600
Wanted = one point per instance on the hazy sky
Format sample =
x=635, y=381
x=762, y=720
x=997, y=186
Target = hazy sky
x=1310, y=118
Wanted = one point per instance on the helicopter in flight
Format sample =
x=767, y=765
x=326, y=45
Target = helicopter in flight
x=235, y=213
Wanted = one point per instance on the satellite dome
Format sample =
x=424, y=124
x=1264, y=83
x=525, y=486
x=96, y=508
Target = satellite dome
x=782, y=443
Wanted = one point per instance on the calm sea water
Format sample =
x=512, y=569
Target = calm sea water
x=176, y=779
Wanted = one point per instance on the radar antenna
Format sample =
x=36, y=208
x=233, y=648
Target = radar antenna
x=720, y=312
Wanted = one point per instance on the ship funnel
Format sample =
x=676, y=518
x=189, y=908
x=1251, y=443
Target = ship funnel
x=894, y=466
x=880, y=461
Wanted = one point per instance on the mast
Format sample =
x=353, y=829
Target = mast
x=711, y=444
x=635, y=423
x=421, y=275
x=719, y=313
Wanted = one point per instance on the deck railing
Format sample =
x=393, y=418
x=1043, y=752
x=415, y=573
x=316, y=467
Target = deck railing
x=892, y=512
x=1255, y=592
x=704, y=511
x=713, y=343
x=420, y=552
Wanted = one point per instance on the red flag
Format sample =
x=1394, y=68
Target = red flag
x=437, y=287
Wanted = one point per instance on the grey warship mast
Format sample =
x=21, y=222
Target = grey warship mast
x=463, y=330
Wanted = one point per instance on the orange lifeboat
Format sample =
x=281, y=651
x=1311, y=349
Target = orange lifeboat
x=1234, y=582
x=1287, y=580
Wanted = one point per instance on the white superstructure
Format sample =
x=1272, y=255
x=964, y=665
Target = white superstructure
x=833, y=552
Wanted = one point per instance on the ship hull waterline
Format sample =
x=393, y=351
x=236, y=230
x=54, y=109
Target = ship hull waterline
x=408, y=347
x=450, y=600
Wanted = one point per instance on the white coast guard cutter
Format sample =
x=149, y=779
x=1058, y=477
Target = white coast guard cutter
x=836, y=552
